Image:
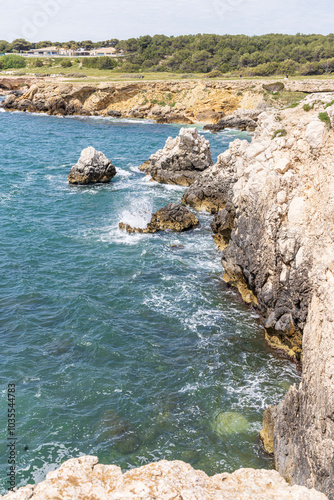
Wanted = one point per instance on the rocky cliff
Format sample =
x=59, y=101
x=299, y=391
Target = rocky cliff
x=275, y=224
x=85, y=479
x=188, y=101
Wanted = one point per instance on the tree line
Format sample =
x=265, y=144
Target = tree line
x=262, y=55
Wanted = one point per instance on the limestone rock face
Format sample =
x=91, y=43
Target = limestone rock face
x=181, y=160
x=85, y=479
x=173, y=216
x=240, y=119
x=278, y=251
x=91, y=168
x=212, y=188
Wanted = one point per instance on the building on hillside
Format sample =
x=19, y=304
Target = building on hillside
x=74, y=53
x=105, y=51
x=45, y=51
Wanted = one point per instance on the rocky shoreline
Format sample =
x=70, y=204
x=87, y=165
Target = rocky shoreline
x=273, y=208
x=189, y=101
x=85, y=479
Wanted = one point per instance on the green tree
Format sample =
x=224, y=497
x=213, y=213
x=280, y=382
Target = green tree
x=20, y=45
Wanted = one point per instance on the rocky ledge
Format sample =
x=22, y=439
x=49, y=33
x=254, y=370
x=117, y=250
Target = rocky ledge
x=181, y=160
x=92, y=167
x=85, y=479
x=240, y=119
x=172, y=217
x=275, y=225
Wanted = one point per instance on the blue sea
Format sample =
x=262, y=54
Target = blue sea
x=128, y=347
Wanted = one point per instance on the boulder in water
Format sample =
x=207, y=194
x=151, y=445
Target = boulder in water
x=92, y=167
x=182, y=159
x=173, y=216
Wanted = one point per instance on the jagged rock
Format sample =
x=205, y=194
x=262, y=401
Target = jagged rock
x=240, y=119
x=173, y=217
x=222, y=226
x=181, y=160
x=211, y=189
x=267, y=432
x=85, y=479
x=91, y=168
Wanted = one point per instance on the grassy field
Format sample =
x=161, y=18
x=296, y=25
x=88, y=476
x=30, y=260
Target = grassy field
x=113, y=75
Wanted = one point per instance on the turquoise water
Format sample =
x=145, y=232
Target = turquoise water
x=128, y=347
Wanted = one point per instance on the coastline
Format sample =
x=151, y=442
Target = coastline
x=238, y=257
x=189, y=101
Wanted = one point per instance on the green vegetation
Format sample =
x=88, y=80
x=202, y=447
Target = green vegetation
x=279, y=133
x=324, y=117
x=329, y=104
x=66, y=63
x=307, y=107
x=293, y=105
x=12, y=62
x=103, y=62
x=213, y=55
x=39, y=63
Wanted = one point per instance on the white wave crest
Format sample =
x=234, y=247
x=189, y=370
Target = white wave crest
x=138, y=214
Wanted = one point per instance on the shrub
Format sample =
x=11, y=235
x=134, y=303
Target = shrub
x=105, y=62
x=214, y=74
x=329, y=104
x=281, y=132
x=13, y=61
x=324, y=117
x=293, y=105
x=38, y=63
x=66, y=63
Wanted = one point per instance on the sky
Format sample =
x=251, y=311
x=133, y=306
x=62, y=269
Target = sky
x=63, y=20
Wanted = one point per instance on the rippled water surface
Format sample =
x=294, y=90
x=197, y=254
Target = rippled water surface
x=128, y=347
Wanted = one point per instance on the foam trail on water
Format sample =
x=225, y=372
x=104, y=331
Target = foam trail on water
x=138, y=214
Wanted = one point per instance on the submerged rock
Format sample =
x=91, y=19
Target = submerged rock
x=92, y=167
x=173, y=216
x=181, y=160
x=229, y=423
x=118, y=432
x=85, y=479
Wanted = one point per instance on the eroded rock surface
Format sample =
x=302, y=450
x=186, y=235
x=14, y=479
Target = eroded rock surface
x=92, y=167
x=240, y=119
x=173, y=217
x=85, y=479
x=181, y=160
x=277, y=231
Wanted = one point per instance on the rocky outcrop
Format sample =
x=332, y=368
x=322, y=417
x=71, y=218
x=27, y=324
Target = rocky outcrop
x=212, y=188
x=277, y=232
x=240, y=119
x=85, y=479
x=222, y=225
x=91, y=168
x=181, y=160
x=172, y=217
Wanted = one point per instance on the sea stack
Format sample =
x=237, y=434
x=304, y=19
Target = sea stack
x=181, y=160
x=93, y=167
